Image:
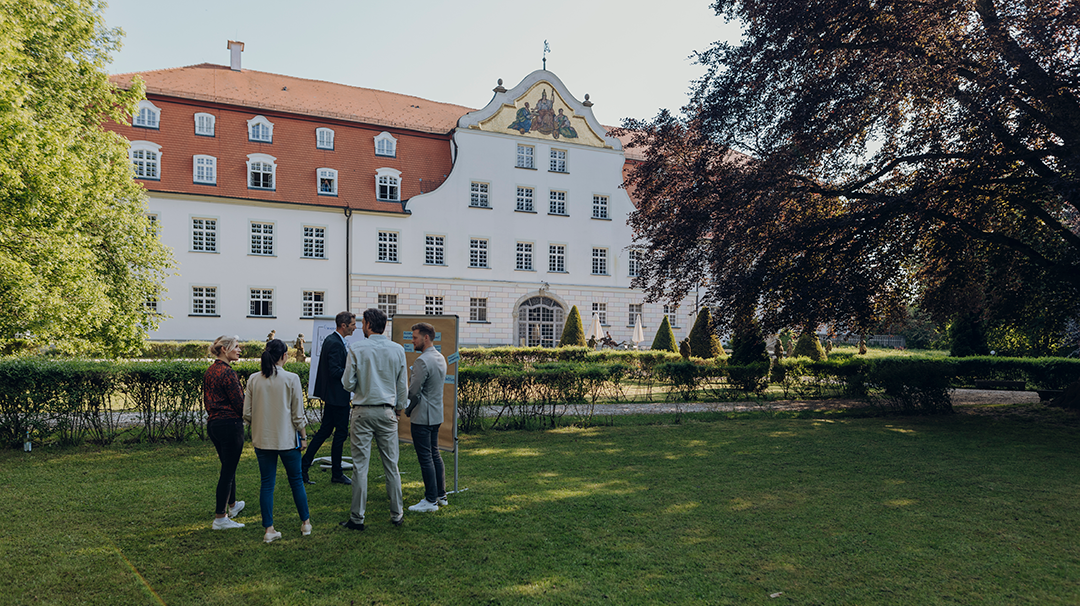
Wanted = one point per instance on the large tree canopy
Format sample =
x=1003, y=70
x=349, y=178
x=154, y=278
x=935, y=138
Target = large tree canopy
x=78, y=258
x=850, y=155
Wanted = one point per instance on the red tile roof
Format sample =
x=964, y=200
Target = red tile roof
x=254, y=89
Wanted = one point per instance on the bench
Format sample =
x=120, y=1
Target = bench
x=1010, y=385
x=1045, y=395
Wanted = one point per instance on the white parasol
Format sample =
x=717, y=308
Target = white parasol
x=639, y=335
x=595, y=331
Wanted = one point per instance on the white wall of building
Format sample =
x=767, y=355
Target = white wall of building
x=233, y=270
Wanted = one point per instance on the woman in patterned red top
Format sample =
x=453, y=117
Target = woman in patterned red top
x=224, y=401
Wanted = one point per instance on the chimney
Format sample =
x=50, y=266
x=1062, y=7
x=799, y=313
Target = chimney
x=235, y=48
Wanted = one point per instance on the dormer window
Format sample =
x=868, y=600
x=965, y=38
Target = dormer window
x=204, y=124
x=387, y=185
x=260, y=130
x=146, y=158
x=385, y=145
x=324, y=138
x=327, y=182
x=262, y=169
x=149, y=115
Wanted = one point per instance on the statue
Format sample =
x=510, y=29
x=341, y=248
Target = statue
x=684, y=348
x=299, y=345
x=778, y=349
x=270, y=337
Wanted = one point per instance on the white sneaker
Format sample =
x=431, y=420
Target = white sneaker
x=424, y=506
x=442, y=502
x=235, y=509
x=225, y=523
x=270, y=537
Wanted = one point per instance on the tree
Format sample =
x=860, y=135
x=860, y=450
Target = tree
x=78, y=257
x=665, y=338
x=747, y=344
x=573, y=335
x=849, y=158
x=809, y=346
x=702, y=339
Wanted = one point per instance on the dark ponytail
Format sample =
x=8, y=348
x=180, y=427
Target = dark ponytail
x=273, y=352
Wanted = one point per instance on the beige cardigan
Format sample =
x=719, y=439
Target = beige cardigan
x=274, y=407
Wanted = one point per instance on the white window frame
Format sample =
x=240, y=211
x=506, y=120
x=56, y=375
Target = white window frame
x=478, y=253
x=314, y=237
x=524, y=256
x=600, y=261
x=204, y=234
x=259, y=297
x=387, y=303
x=203, y=300
x=636, y=309
x=433, y=305
x=204, y=169
x=389, y=178
x=478, y=194
x=388, y=246
x=557, y=203
x=558, y=161
x=600, y=310
x=526, y=156
x=205, y=124
x=434, y=249
x=313, y=304
x=323, y=175
x=672, y=313
x=478, y=309
x=525, y=197
x=262, y=161
x=260, y=126
x=147, y=116
x=557, y=258
x=261, y=238
x=600, y=207
x=633, y=263
x=385, y=145
x=145, y=159
x=324, y=138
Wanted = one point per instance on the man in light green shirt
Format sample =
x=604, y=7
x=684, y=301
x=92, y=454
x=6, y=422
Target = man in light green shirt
x=375, y=372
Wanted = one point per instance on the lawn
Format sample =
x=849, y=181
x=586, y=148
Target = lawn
x=965, y=509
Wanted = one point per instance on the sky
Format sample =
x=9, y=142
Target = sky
x=632, y=57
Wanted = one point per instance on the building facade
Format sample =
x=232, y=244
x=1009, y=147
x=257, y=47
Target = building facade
x=284, y=200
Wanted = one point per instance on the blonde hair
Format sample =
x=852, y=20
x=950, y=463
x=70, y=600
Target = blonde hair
x=222, y=344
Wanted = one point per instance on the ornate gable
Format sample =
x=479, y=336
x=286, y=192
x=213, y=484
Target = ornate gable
x=540, y=107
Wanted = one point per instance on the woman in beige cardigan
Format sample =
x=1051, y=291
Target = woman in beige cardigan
x=274, y=406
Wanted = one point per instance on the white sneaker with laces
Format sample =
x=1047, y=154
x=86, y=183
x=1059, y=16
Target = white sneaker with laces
x=225, y=523
x=424, y=506
x=442, y=502
x=235, y=509
x=270, y=537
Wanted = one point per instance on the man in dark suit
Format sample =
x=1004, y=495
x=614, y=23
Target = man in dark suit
x=335, y=399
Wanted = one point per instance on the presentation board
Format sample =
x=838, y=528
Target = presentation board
x=446, y=342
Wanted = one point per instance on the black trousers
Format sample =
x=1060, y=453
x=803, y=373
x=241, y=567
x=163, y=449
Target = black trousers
x=228, y=438
x=335, y=420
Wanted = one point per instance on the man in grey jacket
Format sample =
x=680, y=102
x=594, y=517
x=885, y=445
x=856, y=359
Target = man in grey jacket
x=425, y=414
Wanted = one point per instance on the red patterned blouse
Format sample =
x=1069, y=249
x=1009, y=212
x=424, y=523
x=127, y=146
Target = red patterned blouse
x=222, y=395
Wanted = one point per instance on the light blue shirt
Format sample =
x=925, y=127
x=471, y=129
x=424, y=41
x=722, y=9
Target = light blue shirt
x=375, y=373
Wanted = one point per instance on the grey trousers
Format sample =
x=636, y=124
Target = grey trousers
x=365, y=423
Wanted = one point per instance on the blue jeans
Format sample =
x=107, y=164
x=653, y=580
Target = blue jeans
x=426, y=442
x=268, y=469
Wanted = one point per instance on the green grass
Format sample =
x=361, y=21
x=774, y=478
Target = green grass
x=967, y=509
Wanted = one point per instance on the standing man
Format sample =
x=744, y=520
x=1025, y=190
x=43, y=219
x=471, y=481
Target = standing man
x=375, y=372
x=335, y=399
x=425, y=412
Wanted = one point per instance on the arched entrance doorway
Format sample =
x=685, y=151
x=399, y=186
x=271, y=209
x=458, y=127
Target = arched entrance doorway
x=540, y=322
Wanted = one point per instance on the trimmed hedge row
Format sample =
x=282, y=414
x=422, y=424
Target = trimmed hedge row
x=197, y=350
x=75, y=401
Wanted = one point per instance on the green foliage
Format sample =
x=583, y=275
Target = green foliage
x=573, y=335
x=748, y=345
x=809, y=346
x=78, y=258
x=967, y=337
x=194, y=350
x=703, y=340
x=665, y=338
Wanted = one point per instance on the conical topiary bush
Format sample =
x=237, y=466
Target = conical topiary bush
x=809, y=346
x=573, y=335
x=665, y=338
x=703, y=340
